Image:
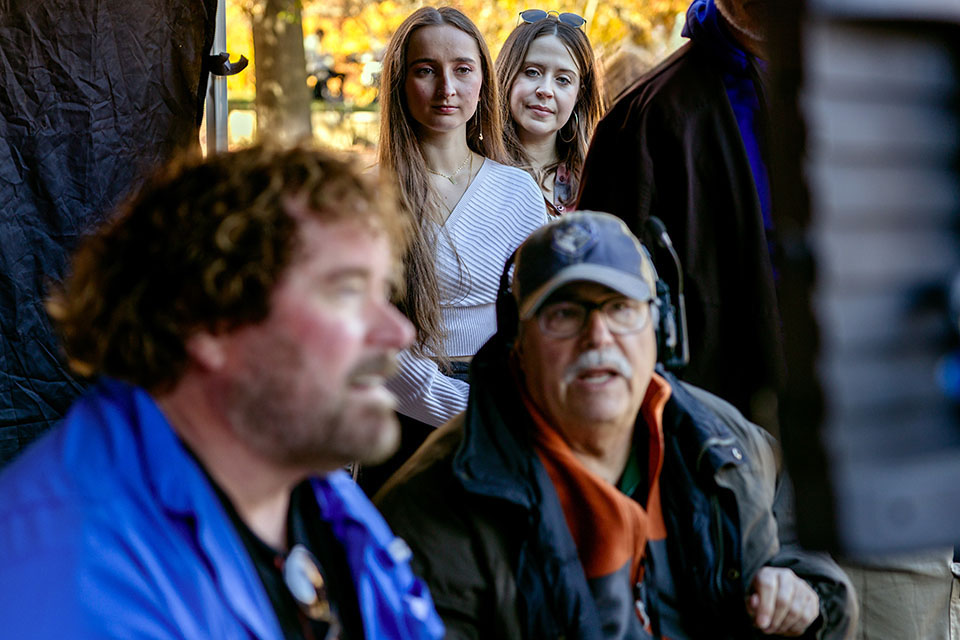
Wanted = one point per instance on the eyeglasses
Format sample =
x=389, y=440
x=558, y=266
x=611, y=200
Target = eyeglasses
x=536, y=15
x=568, y=318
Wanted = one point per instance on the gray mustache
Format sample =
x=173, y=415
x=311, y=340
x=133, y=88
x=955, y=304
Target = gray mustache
x=608, y=358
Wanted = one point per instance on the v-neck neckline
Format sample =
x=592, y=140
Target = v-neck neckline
x=467, y=193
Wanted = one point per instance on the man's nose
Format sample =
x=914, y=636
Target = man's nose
x=392, y=329
x=596, y=332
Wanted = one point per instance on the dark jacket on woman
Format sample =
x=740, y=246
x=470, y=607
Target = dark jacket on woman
x=489, y=536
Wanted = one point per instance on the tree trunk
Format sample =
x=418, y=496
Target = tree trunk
x=283, y=98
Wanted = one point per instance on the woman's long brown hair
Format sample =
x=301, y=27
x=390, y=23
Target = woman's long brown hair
x=399, y=153
x=573, y=139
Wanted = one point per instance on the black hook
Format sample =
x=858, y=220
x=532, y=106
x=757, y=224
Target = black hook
x=220, y=65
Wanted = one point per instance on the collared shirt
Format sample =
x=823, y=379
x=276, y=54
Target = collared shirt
x=304, y=527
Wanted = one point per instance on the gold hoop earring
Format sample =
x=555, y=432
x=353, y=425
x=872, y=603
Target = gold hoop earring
x=576, y=120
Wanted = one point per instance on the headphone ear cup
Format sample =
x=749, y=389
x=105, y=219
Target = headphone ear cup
x=667, y=335
x=508, y=316
x=670, y=352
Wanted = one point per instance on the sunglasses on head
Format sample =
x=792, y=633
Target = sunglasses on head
x=536, y=15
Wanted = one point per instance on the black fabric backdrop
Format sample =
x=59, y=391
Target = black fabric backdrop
x=93, y=93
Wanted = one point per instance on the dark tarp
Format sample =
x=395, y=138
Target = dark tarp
x=93, y=93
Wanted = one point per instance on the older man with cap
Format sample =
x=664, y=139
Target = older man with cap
x=584, y=494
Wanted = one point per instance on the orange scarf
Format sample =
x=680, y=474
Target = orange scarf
x=609, y=528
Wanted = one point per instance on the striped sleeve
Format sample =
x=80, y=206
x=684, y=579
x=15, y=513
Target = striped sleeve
x=424, y=393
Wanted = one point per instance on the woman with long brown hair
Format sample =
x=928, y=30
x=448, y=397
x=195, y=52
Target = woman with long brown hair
x=441, y=135
x=551, y=100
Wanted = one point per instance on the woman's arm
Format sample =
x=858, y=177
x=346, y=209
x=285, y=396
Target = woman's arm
x=424, y=393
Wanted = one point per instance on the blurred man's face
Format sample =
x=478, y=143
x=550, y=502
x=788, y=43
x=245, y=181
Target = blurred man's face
x=304, y=388
x=594, y=379
x=749, y=17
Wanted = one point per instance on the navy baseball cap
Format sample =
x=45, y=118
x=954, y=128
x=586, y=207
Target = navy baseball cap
x=581, y=246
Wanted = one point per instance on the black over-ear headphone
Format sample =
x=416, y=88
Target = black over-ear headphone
x=673, y=350
x=508, y=316
x=668, y=333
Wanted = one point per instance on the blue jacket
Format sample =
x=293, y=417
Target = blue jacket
x=109, y=528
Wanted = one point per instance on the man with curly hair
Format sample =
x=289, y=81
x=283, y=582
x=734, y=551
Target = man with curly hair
x=236, y=312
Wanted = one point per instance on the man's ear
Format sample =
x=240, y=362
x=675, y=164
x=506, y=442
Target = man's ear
x=206, y=351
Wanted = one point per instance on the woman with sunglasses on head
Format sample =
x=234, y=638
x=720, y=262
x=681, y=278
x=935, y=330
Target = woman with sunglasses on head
x=551, y=100
x=441, y=135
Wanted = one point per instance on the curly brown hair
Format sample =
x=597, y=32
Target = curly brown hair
x=200, y=247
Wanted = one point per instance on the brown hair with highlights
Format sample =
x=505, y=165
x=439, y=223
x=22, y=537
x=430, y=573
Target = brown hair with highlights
x=587, y=110
x=200, y=247
x=399, y=154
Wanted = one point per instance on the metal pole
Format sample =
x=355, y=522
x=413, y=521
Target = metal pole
x=217, y=107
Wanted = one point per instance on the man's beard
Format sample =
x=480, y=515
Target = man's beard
x=285, y=415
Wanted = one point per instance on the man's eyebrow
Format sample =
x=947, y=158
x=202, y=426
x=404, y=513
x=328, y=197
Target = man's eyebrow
x=393, y=282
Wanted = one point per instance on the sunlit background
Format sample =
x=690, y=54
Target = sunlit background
x=343, y=41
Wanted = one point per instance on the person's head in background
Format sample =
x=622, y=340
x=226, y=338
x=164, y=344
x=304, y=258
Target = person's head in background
x=623, y=67
x=438, y=92
x=748, y=22
x=551, y=100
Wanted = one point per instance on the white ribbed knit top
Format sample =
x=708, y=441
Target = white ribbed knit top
x=499, y=209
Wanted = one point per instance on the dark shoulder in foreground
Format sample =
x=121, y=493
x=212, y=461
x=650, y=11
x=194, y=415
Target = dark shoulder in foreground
x=425, y=505
x=461, y=542
x=434, y=456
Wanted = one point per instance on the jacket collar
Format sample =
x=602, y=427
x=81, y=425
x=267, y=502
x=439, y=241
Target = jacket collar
x=180, y=487
x=496, y=457
x=715, y=444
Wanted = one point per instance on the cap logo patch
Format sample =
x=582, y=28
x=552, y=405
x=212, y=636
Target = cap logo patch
x=573, y=240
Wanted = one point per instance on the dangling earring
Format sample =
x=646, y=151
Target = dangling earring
x=576, y=126
x=479, y=124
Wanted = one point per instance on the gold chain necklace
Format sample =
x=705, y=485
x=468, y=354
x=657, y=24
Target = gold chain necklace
x=455, y=173
x=469, y=181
